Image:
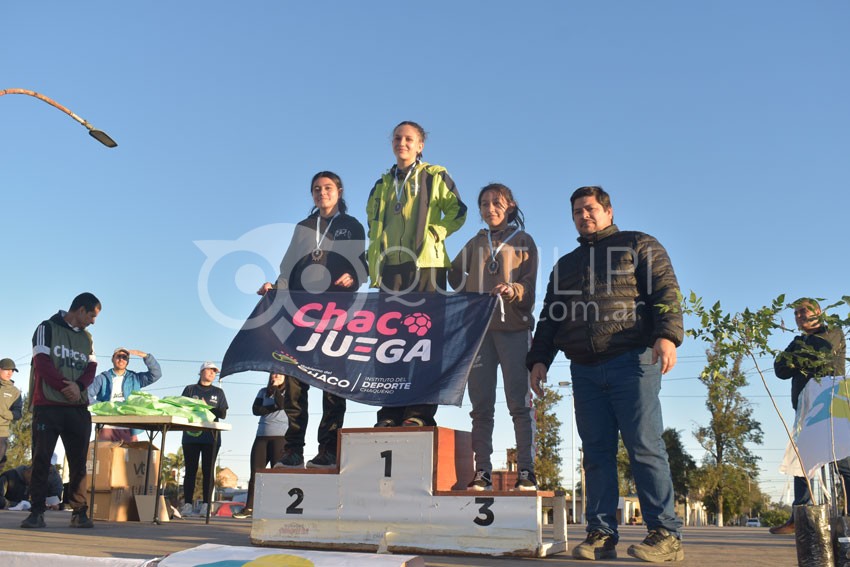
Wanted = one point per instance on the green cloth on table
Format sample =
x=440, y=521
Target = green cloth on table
x=143, y=403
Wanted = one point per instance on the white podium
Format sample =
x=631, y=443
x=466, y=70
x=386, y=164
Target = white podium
x=402, y=490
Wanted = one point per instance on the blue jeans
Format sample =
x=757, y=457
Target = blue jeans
x=621, y=394
x=801, y=489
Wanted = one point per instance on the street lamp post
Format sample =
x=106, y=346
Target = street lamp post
x=98, y=135
x=572, y=451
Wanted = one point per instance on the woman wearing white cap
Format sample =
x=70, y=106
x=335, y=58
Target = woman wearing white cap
x=200, y=444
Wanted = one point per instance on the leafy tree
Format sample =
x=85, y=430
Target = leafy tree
x=19, y=451
x=725, y=490
x=774, y=517
x=682, y=465
x=547, y=462
x=729, y=463
x=173, y=466
x=625, y=478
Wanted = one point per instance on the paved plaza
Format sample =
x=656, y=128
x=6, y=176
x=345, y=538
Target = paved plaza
x=704, y=546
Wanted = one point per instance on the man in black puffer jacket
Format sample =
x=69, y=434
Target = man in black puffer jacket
x=604, y=309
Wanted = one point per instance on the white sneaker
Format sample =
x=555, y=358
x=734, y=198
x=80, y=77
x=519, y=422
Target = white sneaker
x=202, y=512
x=187, y=510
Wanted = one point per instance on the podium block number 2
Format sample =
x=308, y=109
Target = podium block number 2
x=294, y=507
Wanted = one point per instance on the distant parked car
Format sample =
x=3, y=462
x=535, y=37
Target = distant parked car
x=227, y=508
x=753, y=523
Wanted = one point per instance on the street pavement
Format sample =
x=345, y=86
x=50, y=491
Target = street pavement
x=704, y=546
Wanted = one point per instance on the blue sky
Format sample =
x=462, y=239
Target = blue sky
x=721, y=128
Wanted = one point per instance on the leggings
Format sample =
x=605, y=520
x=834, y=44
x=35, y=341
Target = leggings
x=191, y=452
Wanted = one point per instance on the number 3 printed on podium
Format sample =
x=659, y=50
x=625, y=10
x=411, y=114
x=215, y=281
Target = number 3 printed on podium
x=485, y=511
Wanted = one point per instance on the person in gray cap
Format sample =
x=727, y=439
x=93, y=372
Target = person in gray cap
x=200, y=444
x=10, y=403
x=117, y=383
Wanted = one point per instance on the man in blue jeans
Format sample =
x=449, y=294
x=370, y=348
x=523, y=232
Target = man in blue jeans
x=604, y=309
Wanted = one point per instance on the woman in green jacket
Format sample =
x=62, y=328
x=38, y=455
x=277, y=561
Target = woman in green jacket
x=411, y=210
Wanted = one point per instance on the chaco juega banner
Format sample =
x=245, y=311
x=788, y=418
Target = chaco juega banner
x=374, y=348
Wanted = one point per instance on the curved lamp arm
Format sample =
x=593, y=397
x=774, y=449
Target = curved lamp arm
x=98, y=135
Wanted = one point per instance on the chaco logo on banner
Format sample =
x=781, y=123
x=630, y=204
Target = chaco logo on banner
x=367, y=347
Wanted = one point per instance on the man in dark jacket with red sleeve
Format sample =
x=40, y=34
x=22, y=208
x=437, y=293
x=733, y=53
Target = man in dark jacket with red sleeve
x=63, y=367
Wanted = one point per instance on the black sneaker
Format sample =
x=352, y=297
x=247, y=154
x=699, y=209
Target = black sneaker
x=324, y=460
x=526, y=480
x=597, y=545
x=481, y=481
x=386, y=423
x=290, y=460
x=34, y=520
x=658, y=546
x=80, y=519
x=413, y=422
x=245, y=513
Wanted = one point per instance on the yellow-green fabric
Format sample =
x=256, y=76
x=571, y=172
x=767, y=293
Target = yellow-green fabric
x=439, y=212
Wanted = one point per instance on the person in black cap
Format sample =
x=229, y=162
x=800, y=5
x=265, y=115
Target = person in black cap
x=10, y=403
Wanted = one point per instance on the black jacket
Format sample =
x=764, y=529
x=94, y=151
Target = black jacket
x=603, y=300
x=825, y=357
x=343, y=249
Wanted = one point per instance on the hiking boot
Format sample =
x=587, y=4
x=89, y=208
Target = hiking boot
x=290, y=460
x=597, y=545
x=324, y=460
x=784, y=529
x=34, y=520
x=481, y=481
x=526, y=480
x=80, y=519
x=386, y=423
x=245, y=513
x=413, y=422
x=658, y=546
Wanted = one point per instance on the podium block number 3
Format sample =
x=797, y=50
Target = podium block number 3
x=487, y=516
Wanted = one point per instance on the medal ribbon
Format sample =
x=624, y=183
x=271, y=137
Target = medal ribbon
x=327, y=228
x=399, y=188
x=493, y=253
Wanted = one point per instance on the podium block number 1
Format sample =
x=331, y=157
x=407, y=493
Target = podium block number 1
x=388, y=463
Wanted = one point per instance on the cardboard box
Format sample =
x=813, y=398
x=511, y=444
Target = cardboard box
x=112, y=505
x=144, y=506
x=124, y=465
x=121, y=505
